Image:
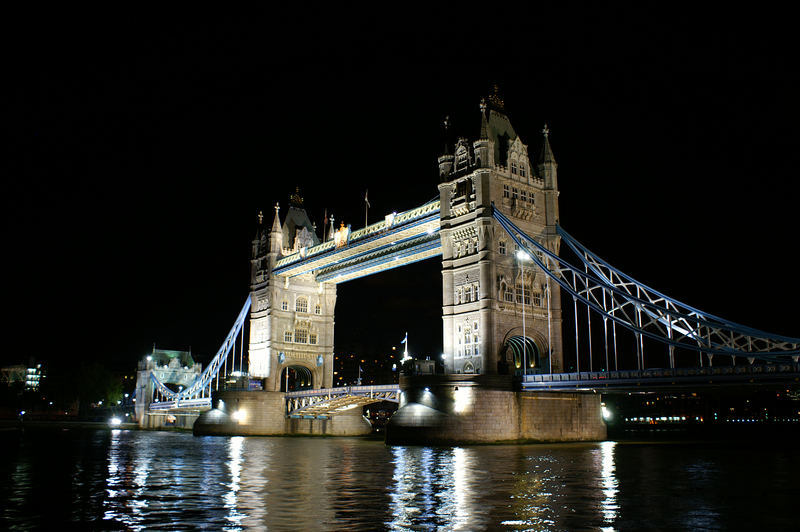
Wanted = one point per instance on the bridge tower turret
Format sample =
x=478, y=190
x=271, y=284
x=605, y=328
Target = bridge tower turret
x=291, y=319
x=486, y=287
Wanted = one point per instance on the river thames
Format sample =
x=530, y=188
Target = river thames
x=137, y=480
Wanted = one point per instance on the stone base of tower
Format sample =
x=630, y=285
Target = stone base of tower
x=462, y=409
x=239, y=413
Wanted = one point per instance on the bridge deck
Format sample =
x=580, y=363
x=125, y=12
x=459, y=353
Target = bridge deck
x=395, y=241
x=655, y=379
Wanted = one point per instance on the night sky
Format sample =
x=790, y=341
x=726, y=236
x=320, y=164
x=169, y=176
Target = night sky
x=144, y=143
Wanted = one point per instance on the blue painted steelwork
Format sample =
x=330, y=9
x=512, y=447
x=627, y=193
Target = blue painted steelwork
x=321, y=257
x=414, y=246
x=623, y=381
x=635, y=306
x=199, y=392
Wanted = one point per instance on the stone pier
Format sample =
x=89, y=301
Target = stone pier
x=463, y=409
x=241, y=413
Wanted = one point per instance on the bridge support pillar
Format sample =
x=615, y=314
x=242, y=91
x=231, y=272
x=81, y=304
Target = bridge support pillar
x=239, y=413
x=462, y=409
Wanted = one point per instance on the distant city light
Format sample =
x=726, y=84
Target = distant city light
x=115, y=422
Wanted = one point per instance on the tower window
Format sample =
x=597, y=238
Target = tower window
x=284, y=305
x=287, y=336
x=501, y=247
x=317, y=309
x=522, y=171
x=506, y=193
x=312, y=338
x=514, y=193
x=301, y=305
x=508, y=296
x=513, y=167
x=300, y=336
x=523, y=196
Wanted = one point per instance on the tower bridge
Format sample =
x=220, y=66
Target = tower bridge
x=495, y=227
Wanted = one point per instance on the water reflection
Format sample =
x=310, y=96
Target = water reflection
x=608, y=481
x=235, y=445
x=131, y=480
x=432, y=489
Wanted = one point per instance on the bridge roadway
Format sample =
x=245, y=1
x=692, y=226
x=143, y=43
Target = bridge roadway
x=326, y=402
x=662, y=379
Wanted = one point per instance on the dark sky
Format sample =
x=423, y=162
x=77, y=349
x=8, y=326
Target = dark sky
x=144, y=142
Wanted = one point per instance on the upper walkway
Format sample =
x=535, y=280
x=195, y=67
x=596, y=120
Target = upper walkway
x=397, y=240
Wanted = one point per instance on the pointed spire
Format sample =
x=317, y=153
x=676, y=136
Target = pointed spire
x=546, y=156
x=276, y=223
x=484, y=121
x=446, y=125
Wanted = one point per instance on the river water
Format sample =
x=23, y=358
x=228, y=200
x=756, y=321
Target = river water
x=137, y=480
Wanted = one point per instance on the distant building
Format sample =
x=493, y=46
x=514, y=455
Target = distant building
x=29, y=376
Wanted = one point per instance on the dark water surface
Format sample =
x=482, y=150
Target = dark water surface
x=136, y=480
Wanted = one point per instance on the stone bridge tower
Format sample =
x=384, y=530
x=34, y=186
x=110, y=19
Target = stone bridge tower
x=486, y=287
x=291, y=319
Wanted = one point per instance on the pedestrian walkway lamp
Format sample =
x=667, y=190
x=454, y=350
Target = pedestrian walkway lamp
x=522, y=256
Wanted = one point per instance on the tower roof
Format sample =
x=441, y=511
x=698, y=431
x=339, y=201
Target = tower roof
x=296, y=220
x=546, y=156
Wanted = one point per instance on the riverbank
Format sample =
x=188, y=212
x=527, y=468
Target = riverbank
x=15, y=424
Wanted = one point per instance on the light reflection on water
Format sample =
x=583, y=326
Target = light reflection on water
x=132, y=480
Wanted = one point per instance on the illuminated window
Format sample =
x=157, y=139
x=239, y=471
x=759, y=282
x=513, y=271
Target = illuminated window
x=287, y=336
x=301, y=305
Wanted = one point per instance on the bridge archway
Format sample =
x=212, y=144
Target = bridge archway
x=296, y=378
x=524, y=351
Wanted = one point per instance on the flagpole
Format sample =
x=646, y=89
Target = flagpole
x=366, y=207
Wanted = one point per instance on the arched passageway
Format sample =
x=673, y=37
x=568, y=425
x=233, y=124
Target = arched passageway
x=294, y=378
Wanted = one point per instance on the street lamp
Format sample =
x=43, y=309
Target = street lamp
x=522, y=256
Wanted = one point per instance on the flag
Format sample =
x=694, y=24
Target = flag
x=405, y=340
x=366, y=199
x=325, y=220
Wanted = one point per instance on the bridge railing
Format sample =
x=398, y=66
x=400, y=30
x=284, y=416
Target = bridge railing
x=583, y=376
x=345, y=390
